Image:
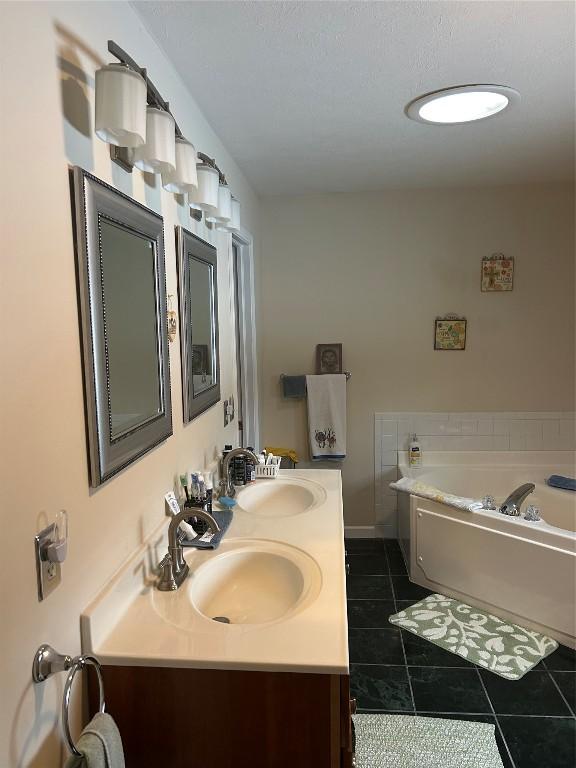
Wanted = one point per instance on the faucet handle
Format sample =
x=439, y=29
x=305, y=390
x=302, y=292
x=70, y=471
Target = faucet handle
x=166, y=581
x=532, y=514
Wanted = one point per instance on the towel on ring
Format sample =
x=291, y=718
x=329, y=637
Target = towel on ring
x=327, y=416
x=100, y=745
x=425, y=491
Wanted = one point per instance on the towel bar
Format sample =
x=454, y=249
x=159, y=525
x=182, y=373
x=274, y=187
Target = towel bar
x=346, y=373
x=47, y=662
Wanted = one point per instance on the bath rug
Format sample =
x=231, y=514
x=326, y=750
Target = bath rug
x=404, y=741
x=504, y=648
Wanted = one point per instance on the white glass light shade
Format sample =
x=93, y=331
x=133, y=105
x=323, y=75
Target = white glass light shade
x=224, y=204
x=205, y=197
x=120, y=106
x=183, y=177
x=158, y=154
x=235, y=220
x=234, y=224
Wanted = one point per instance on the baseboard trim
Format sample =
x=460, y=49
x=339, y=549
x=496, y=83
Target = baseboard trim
x=386, y=531
x=360, y=531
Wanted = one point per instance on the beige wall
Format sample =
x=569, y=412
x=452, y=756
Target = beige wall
x=49, y=54
x=373, y=271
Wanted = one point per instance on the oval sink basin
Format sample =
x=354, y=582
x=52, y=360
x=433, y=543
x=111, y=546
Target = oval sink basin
x=282, y=497
x=255, y=583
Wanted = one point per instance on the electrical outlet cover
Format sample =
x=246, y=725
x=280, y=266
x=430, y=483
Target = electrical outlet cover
x=48, y=574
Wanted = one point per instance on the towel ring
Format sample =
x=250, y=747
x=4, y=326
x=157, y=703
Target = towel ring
x=77, y=664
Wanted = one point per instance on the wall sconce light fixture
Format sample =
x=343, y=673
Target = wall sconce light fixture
x=132, y=116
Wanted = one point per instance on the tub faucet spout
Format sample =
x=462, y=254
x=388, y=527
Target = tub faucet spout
x=514, y=501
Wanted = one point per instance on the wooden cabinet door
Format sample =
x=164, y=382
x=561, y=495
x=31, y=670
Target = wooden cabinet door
x=203, y=718
x=347, y=709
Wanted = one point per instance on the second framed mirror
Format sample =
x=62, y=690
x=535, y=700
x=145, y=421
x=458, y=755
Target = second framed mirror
x=198, y=296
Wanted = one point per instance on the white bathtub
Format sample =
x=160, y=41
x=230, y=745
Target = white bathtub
x=522, y=571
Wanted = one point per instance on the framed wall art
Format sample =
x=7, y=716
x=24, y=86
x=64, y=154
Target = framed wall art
x=497, y=273
x=450, y=332
x=328, y=358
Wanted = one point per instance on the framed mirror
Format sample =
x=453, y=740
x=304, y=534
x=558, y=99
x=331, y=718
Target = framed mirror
x=198, y=293
x=122, y=297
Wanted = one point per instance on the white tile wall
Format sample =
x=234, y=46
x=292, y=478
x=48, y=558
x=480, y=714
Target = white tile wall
x=458, y=432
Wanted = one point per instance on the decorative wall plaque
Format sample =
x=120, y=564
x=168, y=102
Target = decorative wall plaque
x=450, y=332
x=497, y=272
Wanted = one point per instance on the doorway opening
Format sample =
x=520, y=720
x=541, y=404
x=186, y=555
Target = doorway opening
x=246, y=362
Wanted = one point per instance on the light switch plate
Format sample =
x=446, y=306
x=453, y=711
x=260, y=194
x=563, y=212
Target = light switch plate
x=226, y=413
x=48, y=574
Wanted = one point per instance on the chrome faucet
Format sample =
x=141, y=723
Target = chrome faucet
x=514, y=501
x=226, y=487
x=173, y=568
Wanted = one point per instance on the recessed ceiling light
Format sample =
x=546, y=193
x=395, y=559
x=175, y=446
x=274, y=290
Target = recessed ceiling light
x=461, y=104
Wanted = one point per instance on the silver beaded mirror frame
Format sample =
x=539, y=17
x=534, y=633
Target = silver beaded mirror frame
x=122, y=302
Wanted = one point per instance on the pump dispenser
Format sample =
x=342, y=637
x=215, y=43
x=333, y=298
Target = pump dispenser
x=415, y=453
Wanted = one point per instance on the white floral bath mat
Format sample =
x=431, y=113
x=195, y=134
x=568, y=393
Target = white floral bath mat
x=482, y=638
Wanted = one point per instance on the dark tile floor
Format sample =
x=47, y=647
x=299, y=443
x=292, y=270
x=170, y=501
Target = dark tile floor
x=396, y=672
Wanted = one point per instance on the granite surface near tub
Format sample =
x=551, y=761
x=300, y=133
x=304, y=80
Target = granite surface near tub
x=123, y=627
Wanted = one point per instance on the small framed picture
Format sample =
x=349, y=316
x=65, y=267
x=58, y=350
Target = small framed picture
x=450, y=332
x=328, y=358
x=497, y=273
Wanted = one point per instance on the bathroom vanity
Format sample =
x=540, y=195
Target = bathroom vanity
x=268, y=689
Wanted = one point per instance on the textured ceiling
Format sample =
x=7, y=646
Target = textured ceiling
x=310, y=96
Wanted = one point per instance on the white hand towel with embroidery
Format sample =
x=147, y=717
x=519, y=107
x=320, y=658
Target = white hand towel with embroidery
x=327, y=416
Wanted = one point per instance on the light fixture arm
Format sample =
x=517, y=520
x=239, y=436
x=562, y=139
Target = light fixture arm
x=155, y=99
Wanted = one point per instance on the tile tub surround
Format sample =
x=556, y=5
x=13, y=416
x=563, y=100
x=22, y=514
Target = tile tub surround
x=394, y=671
x=481, y=431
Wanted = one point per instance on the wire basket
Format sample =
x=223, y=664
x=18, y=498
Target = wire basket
x=268, y=471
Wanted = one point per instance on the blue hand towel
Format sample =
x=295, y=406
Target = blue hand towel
x=294, y=386
x=558, y=481
x=223, y=518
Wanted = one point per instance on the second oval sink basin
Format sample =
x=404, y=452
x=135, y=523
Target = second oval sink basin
x=282, y=497
x=258, y=583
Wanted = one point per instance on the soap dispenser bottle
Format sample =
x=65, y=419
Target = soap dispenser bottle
x=415, y=453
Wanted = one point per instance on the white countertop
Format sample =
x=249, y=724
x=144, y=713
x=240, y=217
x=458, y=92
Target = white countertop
x=128, y=624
